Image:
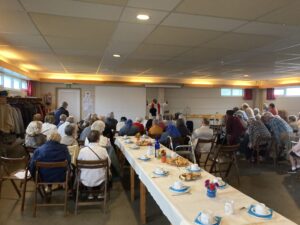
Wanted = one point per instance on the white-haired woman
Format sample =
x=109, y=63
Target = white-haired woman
x=248, y=110
x=99, y=126
x=34, y=138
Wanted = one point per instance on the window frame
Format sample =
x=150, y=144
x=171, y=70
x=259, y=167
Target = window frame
x=232, y=91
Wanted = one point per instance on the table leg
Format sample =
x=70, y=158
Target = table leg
x=132, y=174
x=142, y=203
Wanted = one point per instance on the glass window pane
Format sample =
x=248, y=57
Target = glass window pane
x=24, y=85
x=293, y=91
x=237, y=92
x=279, y=92
x=17, y=84
x=1, y=77
x=7, y=82
x=225, y=92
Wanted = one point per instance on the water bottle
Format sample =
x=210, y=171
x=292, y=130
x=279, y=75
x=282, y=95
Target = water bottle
x=157, y=147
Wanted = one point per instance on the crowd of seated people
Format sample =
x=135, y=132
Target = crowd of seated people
x=245, y=126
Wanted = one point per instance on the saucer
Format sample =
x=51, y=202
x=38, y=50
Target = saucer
x=190, y=170
x=128, y=141
x=217, y=220
x=144, y=159
x=183, y=189
x=165, y=173
x=252, y=212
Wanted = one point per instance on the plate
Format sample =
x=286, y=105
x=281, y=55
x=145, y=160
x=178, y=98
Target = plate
x=252, y=212
x=161, y=174
x=144, y=159
x=217, y=220
x=128, y=141
x=189, y=176
x=182, y=190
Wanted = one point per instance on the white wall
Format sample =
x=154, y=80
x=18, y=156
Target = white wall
x=201, y=100
x=123, y=101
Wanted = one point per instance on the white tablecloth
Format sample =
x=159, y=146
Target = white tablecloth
x=182, y=210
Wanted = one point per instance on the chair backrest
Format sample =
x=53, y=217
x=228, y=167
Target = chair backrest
x=190, y=125
x=5, y=163
x=74, y=151
x=229, y=148
x=92, y=164
x=173, y=142
x=62, y=164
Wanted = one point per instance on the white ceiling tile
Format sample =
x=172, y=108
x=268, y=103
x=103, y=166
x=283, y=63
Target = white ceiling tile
x=129, y=15
x=16, y=22
x=268, y=29
x=10, y=5
x=108, y=2
x=167, y=5
x=23, y=40
x=73, y=9
x=71, y=27
x=288, y=15
x=130, y=32
x=237, y=9
x=202, y=22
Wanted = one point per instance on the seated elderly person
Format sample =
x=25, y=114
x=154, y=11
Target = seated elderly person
x=294, y=158
x=121, y=123
x=34, y=138
x=128, y=129
x=184, y=131
x=62, y=120
x=51, y=151
x=48, y=126
x=110, y=121
x=259, y=136
x=279, y=128
x=171, y=131
x=87, y=130
x=93, y=151
x=37, y=117
x=293, y=123
x=248, y=110
x=139, y=125
x=155, y=129
x=69, y=120
x=69, y=139
x=204, y=133
x=257, y=113
x=234, y=128
x=99, y=126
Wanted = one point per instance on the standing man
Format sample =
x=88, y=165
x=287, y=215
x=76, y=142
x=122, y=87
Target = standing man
x=61, y=110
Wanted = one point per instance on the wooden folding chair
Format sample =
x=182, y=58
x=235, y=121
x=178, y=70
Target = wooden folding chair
x=39, y=183
x=91, y=165
x=16, y=175
x=198, y=152
x=224, y=155
x=261, y=144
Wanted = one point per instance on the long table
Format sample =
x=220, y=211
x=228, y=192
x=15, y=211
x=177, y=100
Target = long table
x=183, y=209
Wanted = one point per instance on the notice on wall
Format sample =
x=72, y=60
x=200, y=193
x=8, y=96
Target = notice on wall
x=87, y=103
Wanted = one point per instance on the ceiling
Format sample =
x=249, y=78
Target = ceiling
x=183, y=39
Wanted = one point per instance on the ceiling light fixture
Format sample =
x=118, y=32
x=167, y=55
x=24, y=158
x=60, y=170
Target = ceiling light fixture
x=143, y=17
x=246, y=75
x=116, y=55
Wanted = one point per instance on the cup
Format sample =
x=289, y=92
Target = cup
x=206, y=217
x=159, y=170
x=150, y=150
x=194, y=167
x=173, y=155
x=144, y=157
x=261, y=209
x=178, y=185
x=229, y=207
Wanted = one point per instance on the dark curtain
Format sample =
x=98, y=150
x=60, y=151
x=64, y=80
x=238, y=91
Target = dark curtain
x=248, y=94
x=270, y=94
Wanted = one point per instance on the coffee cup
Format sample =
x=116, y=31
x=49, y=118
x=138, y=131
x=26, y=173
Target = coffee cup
x=144, y=157
x=206, y=218
x=178, y=185
x=229, y=207
x=159, y=170
x=261, y=209
x=194, y=167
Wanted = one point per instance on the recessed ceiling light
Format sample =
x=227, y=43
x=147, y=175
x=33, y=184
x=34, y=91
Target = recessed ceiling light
x=143, y=17
x=116, y=55
x=246, y=75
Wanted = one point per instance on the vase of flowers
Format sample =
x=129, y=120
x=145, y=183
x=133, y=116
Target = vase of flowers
x=211, y=189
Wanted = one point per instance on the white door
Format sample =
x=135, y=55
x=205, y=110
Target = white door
x=72, y=97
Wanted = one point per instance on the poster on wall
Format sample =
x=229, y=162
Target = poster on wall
x=87, y=103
